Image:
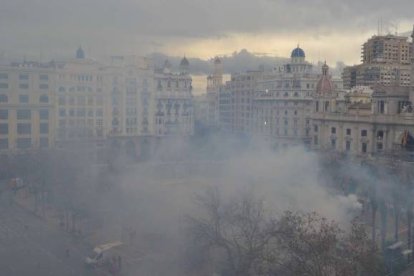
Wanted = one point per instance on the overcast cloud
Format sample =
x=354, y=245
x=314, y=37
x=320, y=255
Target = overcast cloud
x=104, y=27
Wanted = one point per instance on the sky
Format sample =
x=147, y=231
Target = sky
x=329, y=30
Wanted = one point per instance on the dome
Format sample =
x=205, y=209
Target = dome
x=80, y=54
x=297, y=52
x=184, y=62
x=324, y=85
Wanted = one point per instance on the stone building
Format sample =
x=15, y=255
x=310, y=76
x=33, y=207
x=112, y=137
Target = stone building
x=173, y=99
x=383, y=125
x=27, y=120
x=283, y=102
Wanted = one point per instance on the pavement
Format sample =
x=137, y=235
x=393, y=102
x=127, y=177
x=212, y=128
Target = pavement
x=30, y=246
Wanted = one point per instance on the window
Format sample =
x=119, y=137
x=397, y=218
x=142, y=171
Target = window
x=4, y=114
x=44, y=142
x=381, y=107
x=348, y=146
x=315, y=140
x=315, y=128
x=4, y=99
x=62, y=89
x=380, y=134
x=364, y=133
x=364, y=147
x=44, y=128
x=4, y=85
x=326, y=106
x=379, y=146
x=348, y=131
x=23, y=77
x=24, y=128
x=44, y=114
x=24, y=86
x=62, y=100
x=43, y=99
x=4, y=129
x=23, y=143
x=317, y=107
x=23, y=98
x=4, y=76
x=99, y=113
x=24, y=114
x=44, y=86
x=333, y=143
x=62, y=112
x=333, y=130
x=4, y=143
x=43, y=77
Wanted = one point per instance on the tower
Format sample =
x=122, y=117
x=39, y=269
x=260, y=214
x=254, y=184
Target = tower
x=218, y=72
x=184, y=66
x=80, y=54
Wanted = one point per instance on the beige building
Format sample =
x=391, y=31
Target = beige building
x=283, y=102
x=385, y=60
x=80, y=101
x=383, y=125
x=26, y=106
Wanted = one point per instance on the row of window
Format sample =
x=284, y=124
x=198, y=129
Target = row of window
x=24, y=99
x=5, y=76
x=80, y=100
x=24, y=86
x=80, y=112
x=364, y=132
x=24, y=114
x=24, y=128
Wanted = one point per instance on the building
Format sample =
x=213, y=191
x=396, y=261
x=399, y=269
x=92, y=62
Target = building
x=283, y=102
x=225, y=108
x=214, y=84
x=84, y=104
x=243, y=87
x=381, y=126
x=80, y=102
x=173, y=114
x=385, y=59
x=27, y=106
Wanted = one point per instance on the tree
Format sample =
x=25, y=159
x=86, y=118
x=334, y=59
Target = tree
x=238, y=232
x=241, y=237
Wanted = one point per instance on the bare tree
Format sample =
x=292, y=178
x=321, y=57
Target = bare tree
x=239, y=232
x=240, y=238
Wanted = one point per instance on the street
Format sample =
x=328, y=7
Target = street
x=29, y=246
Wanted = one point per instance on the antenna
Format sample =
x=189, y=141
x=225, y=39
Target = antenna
x=378, y=27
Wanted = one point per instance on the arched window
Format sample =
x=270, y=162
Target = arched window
x=4, y=99
x=43, y=99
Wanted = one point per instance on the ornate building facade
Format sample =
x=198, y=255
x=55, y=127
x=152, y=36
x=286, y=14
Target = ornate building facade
x=283, y=102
